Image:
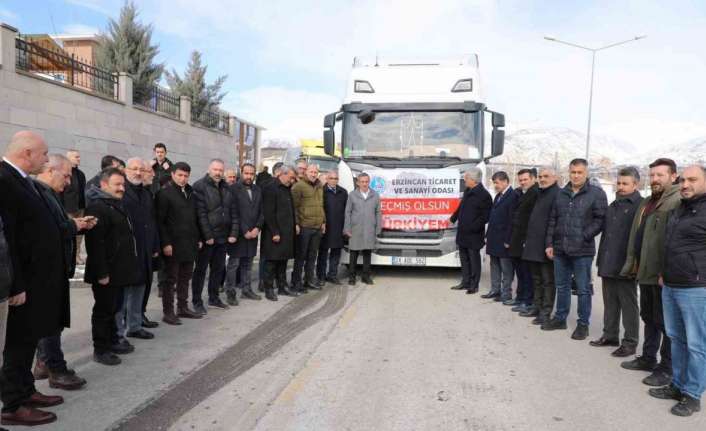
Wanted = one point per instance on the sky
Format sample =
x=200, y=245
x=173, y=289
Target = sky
x=287, y=61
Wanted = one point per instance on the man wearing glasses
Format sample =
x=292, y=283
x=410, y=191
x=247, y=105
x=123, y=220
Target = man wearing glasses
x=335, y=198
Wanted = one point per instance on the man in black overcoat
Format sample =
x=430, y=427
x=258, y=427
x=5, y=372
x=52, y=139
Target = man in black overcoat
x=335, y=198
x=246, y=223
x=278, y=233
x=472, y=214
x=37, y=298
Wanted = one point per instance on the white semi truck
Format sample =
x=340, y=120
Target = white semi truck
x=415, y=127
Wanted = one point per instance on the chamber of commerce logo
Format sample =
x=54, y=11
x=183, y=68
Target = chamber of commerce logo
x=378, y=184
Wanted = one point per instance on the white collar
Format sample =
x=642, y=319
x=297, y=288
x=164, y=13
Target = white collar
x=23, y=173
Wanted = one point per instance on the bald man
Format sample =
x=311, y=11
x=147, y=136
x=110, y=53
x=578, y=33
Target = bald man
x=36, y=295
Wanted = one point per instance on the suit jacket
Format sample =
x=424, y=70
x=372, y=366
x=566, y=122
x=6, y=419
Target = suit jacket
x=500, y=224
x=472, y=215
x=35, y=241
x=245, y=214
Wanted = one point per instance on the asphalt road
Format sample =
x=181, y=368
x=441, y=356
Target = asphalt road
x=404, y=354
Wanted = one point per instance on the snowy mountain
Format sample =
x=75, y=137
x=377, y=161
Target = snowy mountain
x=692, y=151
x=542, y=146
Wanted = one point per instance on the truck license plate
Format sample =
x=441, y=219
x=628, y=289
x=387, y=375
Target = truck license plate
x=409, y=261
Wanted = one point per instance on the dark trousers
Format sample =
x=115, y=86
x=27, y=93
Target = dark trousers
x=327, y=262
x=352, y=268
x=305, y=256
x=178, y=275
x=238, y=273
x=525, y=290
x=49, y=351
x=544, y=289
x=148, y=290
x=16, y=379
x=107, y=303
x=655, y=334
x=470, y=267
x=620, y=298
x=211, y=257
x=275, y=271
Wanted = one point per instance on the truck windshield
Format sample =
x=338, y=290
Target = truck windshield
x=414, y=134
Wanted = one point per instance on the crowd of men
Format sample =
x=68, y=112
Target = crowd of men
x=143, y=216
x=544, y=235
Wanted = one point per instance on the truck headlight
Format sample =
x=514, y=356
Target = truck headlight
x=462, y=85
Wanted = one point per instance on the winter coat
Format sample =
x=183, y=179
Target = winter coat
x=363, y=220
x=66, y=224
x=93, y=183
x=472, y=214
x=575, y=221
x=613, y=247
x=685, y=245
x=34, y=239
x=262, y=178
x=212, y=206
x=520, y=219
x=278, y=211
x=647, y=267
x=245, y=215
x=139, y=205
x=162, y=174
x=535, y=247
x=176, y=222
x=500, y=224
x=5, y=266
x=73, y=198
x=335, y=208
x=110, y=245
x=309, y=204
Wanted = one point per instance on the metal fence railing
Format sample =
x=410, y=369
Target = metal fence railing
x=158, y=99
x=66, y=69
x=212, y=119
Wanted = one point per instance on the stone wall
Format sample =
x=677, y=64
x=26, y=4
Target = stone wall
x=70, y=118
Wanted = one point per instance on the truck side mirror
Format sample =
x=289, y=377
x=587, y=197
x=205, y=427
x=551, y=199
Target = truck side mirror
x=497, y=142
x=498, y=120
x=330, y=142
x=329, y=121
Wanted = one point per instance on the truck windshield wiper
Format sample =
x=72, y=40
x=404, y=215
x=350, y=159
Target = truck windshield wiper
x=373, y=158
x=436, y=157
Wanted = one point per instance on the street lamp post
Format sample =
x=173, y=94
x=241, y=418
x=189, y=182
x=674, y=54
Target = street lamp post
x=593, y=67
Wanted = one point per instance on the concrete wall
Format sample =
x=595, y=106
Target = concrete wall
x=69, y=118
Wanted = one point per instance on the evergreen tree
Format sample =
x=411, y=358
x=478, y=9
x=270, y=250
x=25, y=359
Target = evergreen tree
x=193, y=84
x=127, y=47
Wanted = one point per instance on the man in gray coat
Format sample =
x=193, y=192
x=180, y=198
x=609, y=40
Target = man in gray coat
x=362, y=225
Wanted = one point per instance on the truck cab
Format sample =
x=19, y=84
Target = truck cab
x=415, y=127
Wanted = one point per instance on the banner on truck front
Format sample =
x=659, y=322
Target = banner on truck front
x=416, y=199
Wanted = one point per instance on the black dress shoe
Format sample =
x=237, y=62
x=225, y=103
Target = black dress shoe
x=539, y=320
x=687, y=406
x=333, y=280
x=351, y=281
x=602, y=342
x=498, y=299
x=624, y=351
x=668, y=392
x=459, y=286
x=471, y=291
x=249, y=294
x=320, y=283
x=658, y=378
x=311, y=286
x=532, y=312
x=639, y=364
x=580, y=333
x=286, y=292
x=107, y=358
x=367, y=280
x=122, y=348
x=141, y=334
x=270, y=294
x=147, y=323
x=490, y=295
x=554, y=324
